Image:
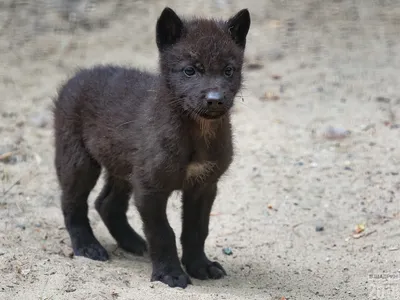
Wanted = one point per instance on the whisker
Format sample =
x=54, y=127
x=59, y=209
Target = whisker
x=125, y=123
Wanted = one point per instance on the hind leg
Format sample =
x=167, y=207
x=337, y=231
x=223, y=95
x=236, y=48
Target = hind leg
x=112, y=205
x=78, y=173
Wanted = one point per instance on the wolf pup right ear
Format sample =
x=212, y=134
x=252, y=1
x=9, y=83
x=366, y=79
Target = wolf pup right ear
x=168, y=29
x=238, y=27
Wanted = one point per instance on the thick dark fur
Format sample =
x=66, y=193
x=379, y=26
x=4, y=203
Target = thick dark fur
x=153, y=134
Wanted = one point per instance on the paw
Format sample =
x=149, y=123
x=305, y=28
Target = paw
x=175, y=278
x=92, y=251
x=205, y=269
x=135, y=244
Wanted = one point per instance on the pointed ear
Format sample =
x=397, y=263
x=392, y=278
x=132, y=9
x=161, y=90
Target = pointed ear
x=168, y=29
x=238, y=27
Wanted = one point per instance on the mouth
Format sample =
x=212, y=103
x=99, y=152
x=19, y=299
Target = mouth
x=211, y=115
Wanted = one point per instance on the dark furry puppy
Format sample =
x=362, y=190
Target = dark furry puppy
x=153, y=134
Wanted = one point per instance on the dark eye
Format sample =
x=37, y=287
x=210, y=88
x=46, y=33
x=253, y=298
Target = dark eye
x=228, y=72
x=189, y=71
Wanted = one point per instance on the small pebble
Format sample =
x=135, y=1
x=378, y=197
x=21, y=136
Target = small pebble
x=227, y=251
x=25, y=272
x=319, y=226
x=336, y=133
x=40, y=120
x=382, y=99
x=22, y=226
x=254, y=66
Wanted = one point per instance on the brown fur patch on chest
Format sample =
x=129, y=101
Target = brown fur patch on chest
x=206, y=128
x=198, y=171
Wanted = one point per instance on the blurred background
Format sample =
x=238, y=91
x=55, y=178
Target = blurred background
x=310, y=208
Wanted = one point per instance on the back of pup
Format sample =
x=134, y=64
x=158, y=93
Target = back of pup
x=89, y=102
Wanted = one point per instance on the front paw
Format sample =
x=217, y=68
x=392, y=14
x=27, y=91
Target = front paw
x=173, y=277
x=93, y=251
x=204, y=269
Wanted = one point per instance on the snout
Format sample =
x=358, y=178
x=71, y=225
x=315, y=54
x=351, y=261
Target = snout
x=213, y=104
x=214, y=100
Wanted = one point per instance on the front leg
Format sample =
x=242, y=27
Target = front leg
x=197, y=204
x=161, y=239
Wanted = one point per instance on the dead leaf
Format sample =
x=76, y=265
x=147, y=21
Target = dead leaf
x=359, y=228
x=270, y=96
x=215, y=214
x=6, y=155
x=276, y=77
x=274, y=23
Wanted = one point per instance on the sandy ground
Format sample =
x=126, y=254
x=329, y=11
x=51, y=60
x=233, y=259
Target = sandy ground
x=310, y=65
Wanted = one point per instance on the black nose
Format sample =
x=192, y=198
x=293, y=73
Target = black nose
x=214, y=99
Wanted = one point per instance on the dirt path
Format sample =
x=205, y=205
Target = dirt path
x=309, y=66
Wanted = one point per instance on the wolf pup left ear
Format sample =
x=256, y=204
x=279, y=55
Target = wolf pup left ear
x=238, y=27
x=168, y=29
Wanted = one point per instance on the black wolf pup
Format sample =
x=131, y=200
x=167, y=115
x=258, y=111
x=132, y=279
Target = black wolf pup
x=153, y=134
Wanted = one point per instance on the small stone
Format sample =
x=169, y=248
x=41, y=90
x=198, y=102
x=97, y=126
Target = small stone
x=254, y=66
x=336, y=133
x=382, y=99
x=40, y=120
x=227, y=251
x=319, y=226
x=25, y=272
x=22, y=226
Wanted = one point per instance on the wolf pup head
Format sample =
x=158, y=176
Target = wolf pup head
x=201, y=61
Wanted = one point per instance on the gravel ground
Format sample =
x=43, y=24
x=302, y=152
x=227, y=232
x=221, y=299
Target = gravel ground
x=311, y=205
